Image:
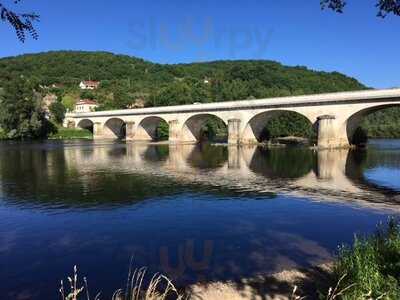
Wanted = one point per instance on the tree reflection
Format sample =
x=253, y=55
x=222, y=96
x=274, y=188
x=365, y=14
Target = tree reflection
x=207, y=156
x=288, y=162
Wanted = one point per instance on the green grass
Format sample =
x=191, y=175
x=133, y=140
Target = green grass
x=71, y=133
x=371, y=267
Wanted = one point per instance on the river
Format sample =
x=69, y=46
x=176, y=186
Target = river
x=196, y=213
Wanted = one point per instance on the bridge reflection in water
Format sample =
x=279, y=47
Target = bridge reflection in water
x=327, y=175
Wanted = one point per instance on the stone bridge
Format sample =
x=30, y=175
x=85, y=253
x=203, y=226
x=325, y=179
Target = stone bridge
x=335, y=117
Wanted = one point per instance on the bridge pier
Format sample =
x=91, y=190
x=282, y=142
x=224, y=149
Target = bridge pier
x=97, y=130
x=331, y=134
x=130, y=130
x=174, y=132
x=234, y=131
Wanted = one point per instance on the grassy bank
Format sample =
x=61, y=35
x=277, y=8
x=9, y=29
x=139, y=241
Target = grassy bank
x=370, y=269
x=71, y=133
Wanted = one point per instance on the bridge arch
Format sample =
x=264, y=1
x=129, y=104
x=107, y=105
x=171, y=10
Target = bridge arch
x=255, y=129
x=86, y=124
x=196, y=127
x=115, y=128
x=152, y=128
x=354, y=122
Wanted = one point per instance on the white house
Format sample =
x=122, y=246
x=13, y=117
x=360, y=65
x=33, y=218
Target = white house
x=89, y=85
x=85, y=105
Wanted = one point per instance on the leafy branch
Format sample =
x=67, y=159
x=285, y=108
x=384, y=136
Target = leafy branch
x=22, y=23
x=385, y=7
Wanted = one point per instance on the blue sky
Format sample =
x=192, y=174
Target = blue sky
x=356, y=43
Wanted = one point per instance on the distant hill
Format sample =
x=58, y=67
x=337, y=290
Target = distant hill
x=126, y=80
x=196, y=82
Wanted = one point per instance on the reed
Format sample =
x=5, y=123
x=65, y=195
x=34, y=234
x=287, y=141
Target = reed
x=159, y=288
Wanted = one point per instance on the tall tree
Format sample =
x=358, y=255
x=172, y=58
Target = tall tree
x=21, y=113
x=21, y=22
x=57, y=111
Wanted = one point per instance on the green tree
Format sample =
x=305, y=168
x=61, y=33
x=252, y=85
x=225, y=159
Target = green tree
x=88, y=95
x=288, y=124
x=69, y=101
x=21, y=115
x=176, y=93
x=162, y=131
x=57, y=112
x=121, y=97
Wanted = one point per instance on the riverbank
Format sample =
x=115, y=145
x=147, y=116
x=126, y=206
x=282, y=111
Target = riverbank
x=285, y=285
x=71, y=133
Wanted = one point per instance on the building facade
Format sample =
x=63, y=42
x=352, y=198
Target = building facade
x=85, y=106
x=89, y=85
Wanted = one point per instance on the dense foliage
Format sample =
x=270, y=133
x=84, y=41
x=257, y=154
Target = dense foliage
x=126, y=81
x=288, y=124
x=57, y=111
x=384, y=123
x=21, y=113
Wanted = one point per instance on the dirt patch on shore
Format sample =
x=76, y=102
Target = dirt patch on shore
x=278, y=286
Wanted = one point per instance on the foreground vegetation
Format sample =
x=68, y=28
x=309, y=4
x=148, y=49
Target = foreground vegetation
x=371, y=267
x=158, y=288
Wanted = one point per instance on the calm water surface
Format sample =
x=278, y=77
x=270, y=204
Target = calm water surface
x=196, y=213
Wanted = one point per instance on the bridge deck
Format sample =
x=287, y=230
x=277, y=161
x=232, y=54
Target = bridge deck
x=292, y=101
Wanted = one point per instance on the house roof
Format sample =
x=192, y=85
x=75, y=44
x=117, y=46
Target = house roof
x=86, y=101
x=90, y=82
